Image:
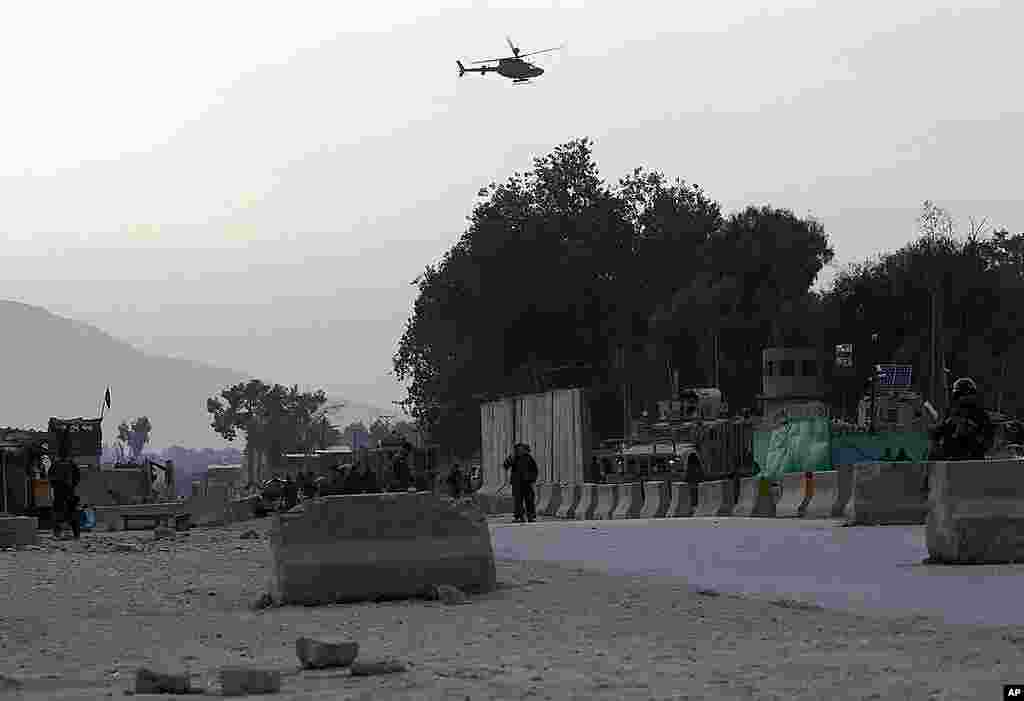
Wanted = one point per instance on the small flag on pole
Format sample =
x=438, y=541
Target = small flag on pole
x=106, y=398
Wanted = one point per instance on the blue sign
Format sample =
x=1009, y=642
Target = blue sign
x=896, y=376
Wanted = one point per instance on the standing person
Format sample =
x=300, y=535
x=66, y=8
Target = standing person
x=523, y=473
x=64, y=477
x=456, y=481
x=367, y=480
x=968, y=432
x=694, y=476
x=595, y=470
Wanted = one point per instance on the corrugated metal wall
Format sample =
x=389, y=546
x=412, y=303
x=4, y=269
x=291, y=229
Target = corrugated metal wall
x=554, y=424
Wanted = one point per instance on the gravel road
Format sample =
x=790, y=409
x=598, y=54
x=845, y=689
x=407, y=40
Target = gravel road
x=78, y=618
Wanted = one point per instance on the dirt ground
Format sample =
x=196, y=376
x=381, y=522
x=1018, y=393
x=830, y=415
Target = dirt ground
x=78, y=618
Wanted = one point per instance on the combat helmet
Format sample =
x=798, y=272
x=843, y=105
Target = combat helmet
x=964, y=387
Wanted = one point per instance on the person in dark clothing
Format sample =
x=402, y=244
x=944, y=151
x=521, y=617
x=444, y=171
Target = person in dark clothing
x=596, y=474
x=523, y=473
x=291, y=492
x=353, y=481
x=456, y=481
x=367, y=480
x=694, y=476
x=309, y=486
x=64, y=477
x=968, y=432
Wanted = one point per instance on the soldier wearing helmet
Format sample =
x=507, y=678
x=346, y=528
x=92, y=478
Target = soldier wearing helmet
x=968, y=432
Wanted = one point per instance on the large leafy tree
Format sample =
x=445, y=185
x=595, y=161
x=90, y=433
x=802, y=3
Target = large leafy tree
x=274, y=418
x=556, y=270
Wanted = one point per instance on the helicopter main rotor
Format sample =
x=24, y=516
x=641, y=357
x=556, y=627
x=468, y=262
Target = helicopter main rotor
x=516, y=54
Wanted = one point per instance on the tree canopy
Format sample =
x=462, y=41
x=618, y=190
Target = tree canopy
x=557, y=271
x=274, y=418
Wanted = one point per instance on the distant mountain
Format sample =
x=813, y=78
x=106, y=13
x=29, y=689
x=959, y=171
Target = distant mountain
x=54, y=366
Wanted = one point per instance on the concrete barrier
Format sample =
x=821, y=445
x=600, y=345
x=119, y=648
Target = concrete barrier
x=110, y=517
x=888, y=493
x=606, y=497
x=794, y=497
x=976, y=512
x=657, y=496
x=587, y=503
x=542, y=491
x=844, y=475
x=681, y=503
x=373, y=546
x=631, y=500
x=755, y=499
x=823, y=493
x=18, y=531
x=715, y=499
x=570, y=498
x=557, y=492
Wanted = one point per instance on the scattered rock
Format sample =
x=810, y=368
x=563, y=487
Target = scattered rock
x=447, y=594
x=162, y=532
x=127, y=548
x=314, y=654
x=249, y=535
x=374, y=667
x=9, y=683
x=149, y=682
x=264, y=602
x=240, y=681
x=708, y=592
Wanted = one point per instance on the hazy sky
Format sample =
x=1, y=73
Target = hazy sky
x=255, y=184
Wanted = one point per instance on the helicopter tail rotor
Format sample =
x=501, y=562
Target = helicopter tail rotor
x=462, y=69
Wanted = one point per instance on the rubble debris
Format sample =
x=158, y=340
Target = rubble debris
x=314, y=654
x=447, y=594
x=265, y=601
x=149, y=682
x=162, y=532
x=374, y=667
x=249, y=535
x=240, y=681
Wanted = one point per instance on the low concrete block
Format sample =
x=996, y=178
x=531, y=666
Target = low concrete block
x=888, y=493
x=844, y=474
x=681, y=503
x=314, y=654
x=606, y=498
x=755, y=499
x=587, y=503
x=823, y=492
x=977, y=512
x=657, y=496
x=570, y=498
x=557, y=494
x=18, y=531
x=794, y=498
x=369, y=546
x=715, y=499
x=630, y=500
x=544, y=492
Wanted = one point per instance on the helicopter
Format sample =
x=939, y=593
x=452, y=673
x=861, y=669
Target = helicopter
x=513, y=66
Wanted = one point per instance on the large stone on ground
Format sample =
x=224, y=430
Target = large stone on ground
x=149, y=682
x=888, y=494
x=977, y=512
x=314, y=654
x=18, y=531
x=369, y=546
x=243, y=681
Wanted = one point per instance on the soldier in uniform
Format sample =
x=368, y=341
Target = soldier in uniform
x=968, y=432
x=64, y=477
x=523, y=473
